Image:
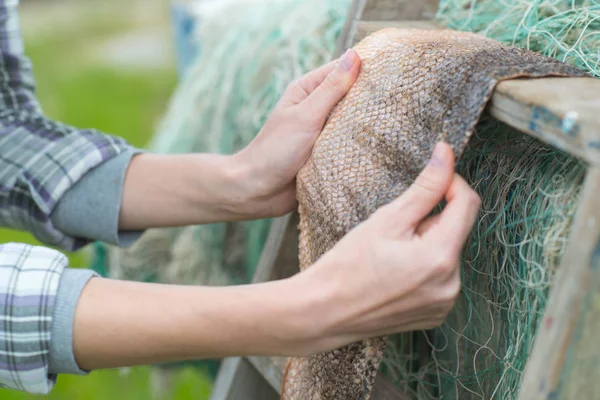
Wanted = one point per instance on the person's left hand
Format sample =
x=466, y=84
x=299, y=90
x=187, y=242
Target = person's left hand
x=272, y=160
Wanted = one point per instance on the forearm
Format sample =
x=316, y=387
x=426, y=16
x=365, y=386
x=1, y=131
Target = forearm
x=175, y=190
x=126, y=323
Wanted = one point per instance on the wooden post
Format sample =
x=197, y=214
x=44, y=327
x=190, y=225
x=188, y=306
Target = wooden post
x=239, y=380
x=565, y=362
x=400, y=10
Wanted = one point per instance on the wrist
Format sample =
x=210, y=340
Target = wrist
x=233, y=195
x=273, y=319
x=249, y=196
x=280, y=318
x=301, y=315
x=296, y=317
x=178, y=190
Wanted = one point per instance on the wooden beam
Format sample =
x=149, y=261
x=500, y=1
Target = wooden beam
x=365, y=28
x=577, y=283
x=279, y=257
x=399, y=10
x=345, y=40
x=238, y=379
x=579, y=378
x=383, y=14
x=271, y=368
x=383, y=389
x=563, y=112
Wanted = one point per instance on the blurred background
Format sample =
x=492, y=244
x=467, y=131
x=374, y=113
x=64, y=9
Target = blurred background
x=108, y=65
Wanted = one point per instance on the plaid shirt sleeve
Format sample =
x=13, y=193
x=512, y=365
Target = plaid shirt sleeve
x=29, y=278
x=40, y=160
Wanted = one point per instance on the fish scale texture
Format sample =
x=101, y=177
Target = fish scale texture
x=415, y=89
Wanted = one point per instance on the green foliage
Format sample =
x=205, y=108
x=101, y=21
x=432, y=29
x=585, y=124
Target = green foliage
x=133, y=385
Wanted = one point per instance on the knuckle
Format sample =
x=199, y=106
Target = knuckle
x=450, y=293
x=384, y=218
x=428, y=182
x=311, y=120
x=333, y=80
x=445, y=263
x=293, y=87
x=474, y=199
x=295, y=84
x=300, y=114
x=434, y=323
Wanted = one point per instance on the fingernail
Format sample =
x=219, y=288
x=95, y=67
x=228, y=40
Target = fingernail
x=437, y=158
x=348, y=60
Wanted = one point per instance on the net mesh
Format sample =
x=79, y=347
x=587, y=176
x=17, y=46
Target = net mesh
x=568, y=30
x=250, y=50
x=529, y=195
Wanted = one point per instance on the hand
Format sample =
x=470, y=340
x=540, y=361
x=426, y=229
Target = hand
x=399, y=270
x=185, y=189
x=272, y=160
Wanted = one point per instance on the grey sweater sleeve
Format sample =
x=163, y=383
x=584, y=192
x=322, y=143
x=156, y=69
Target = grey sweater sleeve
x=90, y=208
x=61, y=358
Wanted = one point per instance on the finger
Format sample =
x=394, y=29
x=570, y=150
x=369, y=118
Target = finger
x=458, y=217
x=417, y=324
x=301, y=88
x=333, y=87
x=313, y=79
x=426, y=192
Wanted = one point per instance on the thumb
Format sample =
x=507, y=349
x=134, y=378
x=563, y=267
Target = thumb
x=333, y=87
x=428, y=189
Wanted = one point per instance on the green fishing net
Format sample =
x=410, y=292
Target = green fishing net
x=251, y=51
x=568, y=30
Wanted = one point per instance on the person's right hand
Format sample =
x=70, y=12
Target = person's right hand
x=397, y=271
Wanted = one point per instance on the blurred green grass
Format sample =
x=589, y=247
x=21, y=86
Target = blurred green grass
x=76, y=89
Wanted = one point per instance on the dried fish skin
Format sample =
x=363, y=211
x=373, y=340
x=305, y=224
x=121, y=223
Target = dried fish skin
x=416, y=88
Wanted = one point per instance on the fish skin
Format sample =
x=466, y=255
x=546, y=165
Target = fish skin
x=415, y=88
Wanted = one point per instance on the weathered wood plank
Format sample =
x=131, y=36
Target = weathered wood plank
x=581, y=371
x=271, y=368
x=562, y=112
x=579, y=378
x=385, y=390
x=578, y=278
x=399, y=10
x=383, y=14
x=279, y=258
x=346, y=35
x=365, y=28
x=238, y=379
